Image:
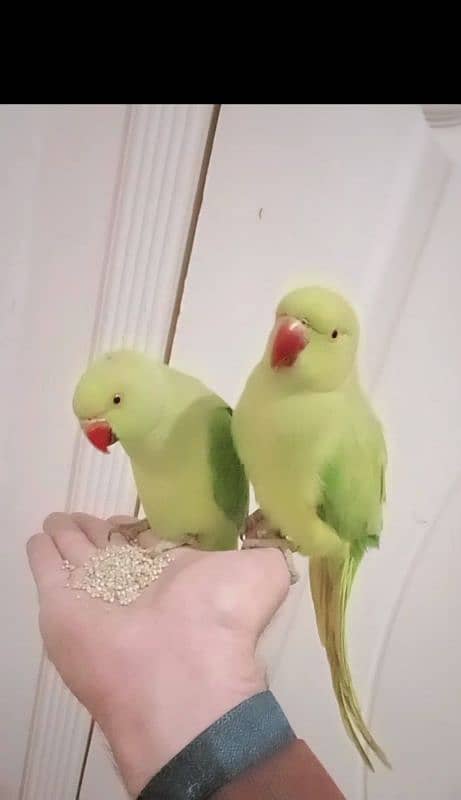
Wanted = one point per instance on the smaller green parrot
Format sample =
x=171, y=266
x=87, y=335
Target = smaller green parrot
x=315, y=453
x=177, y=434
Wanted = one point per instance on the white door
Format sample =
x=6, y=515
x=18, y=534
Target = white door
x=58, y=172
x=360, y=198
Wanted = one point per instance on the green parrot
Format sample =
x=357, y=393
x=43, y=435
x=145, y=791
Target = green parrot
x=177, y=434
x=316, y=455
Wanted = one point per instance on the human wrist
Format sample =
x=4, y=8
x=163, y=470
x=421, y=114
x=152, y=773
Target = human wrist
x=249, y=733
x=150, y=726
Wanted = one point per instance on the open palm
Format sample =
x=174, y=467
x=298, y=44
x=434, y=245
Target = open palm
x=157, y=672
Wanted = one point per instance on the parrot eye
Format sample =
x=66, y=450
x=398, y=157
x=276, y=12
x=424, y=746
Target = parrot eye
x=116, y=399
x=305, y=322
x=334, y=334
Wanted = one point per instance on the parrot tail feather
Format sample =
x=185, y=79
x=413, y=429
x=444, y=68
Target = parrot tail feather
x=331, y=582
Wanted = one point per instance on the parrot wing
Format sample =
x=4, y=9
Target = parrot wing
x=230, y=485
x=354, y=487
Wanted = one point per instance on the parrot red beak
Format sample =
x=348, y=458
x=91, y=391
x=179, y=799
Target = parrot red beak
x=291, y=337
x=100, y=434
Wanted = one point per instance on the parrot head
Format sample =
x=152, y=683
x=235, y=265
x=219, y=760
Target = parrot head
x=314, y=339
x=119, y=398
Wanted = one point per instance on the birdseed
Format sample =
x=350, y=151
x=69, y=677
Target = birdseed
x=118, y=574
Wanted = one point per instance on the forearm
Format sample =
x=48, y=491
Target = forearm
x=293, y=771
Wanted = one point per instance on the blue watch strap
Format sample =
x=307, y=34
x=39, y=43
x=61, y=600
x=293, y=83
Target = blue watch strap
x=253, y=730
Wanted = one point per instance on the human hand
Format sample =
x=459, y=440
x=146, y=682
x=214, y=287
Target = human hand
x=156, y=673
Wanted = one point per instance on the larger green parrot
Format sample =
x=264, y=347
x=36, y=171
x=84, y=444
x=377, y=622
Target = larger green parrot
x=177, y=434
x=315, y=453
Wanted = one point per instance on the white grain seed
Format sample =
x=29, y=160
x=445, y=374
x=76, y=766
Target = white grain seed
x=119, y=573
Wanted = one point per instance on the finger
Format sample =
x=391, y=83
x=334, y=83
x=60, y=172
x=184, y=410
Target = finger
x=96, y=530
x=45, y=562
x=265, y=584
x=69, y=538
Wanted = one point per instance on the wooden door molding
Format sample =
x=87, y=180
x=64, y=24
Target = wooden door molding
x=157, y=189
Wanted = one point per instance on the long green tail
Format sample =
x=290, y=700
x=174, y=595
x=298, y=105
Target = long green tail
x=331, y=582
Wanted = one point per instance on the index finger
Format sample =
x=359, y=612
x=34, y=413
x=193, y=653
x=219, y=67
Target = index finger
x=45, y=562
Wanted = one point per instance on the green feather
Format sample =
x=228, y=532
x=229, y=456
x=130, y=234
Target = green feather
x=230, y=486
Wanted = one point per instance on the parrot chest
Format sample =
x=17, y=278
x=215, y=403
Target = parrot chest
x=284, y=444
x=176, y=501
x=311, y=451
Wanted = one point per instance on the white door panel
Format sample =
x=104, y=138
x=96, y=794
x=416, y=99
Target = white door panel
x=58, y=169
x=363, y=199
x=417, y=568
x=417, y=687
x=101, y=777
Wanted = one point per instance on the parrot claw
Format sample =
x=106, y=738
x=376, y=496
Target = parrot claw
x=294, y=574
x=255, y=526
x=130, y=531
x=258, y=533
x=281, y=544
x=164, y=545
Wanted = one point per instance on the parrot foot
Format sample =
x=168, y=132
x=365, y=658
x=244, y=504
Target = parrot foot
x=281, y=544
x=256, y=526
x=131, y=530
x=164, y=545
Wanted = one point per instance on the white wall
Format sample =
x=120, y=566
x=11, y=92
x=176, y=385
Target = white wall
x=58, y=170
